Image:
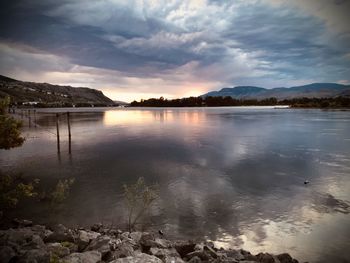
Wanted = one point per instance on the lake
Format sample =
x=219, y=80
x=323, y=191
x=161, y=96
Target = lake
x=233, y=175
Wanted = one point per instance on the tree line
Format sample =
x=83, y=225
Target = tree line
x=338, y=102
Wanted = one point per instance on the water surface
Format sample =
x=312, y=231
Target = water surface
x=232, y=175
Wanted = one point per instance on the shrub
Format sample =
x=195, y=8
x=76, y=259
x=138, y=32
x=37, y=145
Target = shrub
x=139, y=198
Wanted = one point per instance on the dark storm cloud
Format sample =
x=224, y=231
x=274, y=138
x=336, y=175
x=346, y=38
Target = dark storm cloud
x=217, y=41
x=84, y=45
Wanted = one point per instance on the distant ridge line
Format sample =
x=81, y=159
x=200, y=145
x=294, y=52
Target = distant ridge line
x=313, y=90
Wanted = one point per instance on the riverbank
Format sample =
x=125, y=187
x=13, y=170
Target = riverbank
x=26, y=242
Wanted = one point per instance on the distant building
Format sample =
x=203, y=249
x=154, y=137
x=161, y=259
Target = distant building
x=30, y=103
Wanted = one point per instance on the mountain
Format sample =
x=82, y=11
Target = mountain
x=51, y=95
x=315, y=90
x=237, y=92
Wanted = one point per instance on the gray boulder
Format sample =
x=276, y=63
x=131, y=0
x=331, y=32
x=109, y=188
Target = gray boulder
x=34, y=242
x=60, y=234
x=136, y=236
x=184, y=247
x=162, y=243
x=96, y=227
x=122, y=250
x=195, y=259
x=18, y=236
x=286, y=258
x=265, y=258
x=203, y=255
x=84, y=238
x=100, y=244
x=22, y=222
x=164, y=253
x=138, y=258
x=34, y=256
x=57, y=249
x=85, y=257
x=173, y=260
x=73, y=248
x=232, y=253
x=6, y=254
x=210, y=250
x=41, y=231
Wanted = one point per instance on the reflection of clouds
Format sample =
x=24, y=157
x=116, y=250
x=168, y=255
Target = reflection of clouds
x=327, y=203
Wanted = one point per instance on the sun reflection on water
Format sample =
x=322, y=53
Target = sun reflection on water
x=130, y=117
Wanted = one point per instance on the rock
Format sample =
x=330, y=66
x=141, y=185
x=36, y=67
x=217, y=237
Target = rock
x=195, y=259
x=146, y=241
x=125, y=235
x=163, y=253
x=22, y=222
x=113, y=232
x=35, y=256
x=71, y=246
x=210, y=250
x=124, y=250
x=173, y=260
x=84, y=238
x=85, y=257
x=136, y=236
x=138, y=258
x=203, y=255
x=210, y=244
x=100, y=244
x=199, y=247
x=162, y=243
x=35, y=242
x=286, y=258
x=41, y=231
x=57, y=249
x=6, y=254
x=265, y=258
x=234, y=254
x=60, y=234
x=115, y=242
x=248, y=256
x=96, y=227
x=19, y=236
x=184, y=247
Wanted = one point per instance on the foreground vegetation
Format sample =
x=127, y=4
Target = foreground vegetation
x=338, y=102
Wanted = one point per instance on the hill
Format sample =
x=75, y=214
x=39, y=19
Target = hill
x=45, y=94
x=315, y=90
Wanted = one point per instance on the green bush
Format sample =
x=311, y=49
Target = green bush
x=10, y=134
x=13, y=189
x=139, y=198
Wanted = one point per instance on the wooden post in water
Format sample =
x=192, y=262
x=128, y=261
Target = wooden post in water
x=35, y=118
x=58, y=132
x=29, y=119
x=69, y=134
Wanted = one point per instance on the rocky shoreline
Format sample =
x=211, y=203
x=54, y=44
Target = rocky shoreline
x=28, y=243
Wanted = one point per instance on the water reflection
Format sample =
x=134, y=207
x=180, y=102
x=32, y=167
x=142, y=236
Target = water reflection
x=136, y=117
x=234, y=176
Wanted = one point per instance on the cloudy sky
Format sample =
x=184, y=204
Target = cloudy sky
x=133, y=49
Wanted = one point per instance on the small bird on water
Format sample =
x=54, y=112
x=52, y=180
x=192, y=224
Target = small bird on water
x=161, y=232
x=306, y=182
